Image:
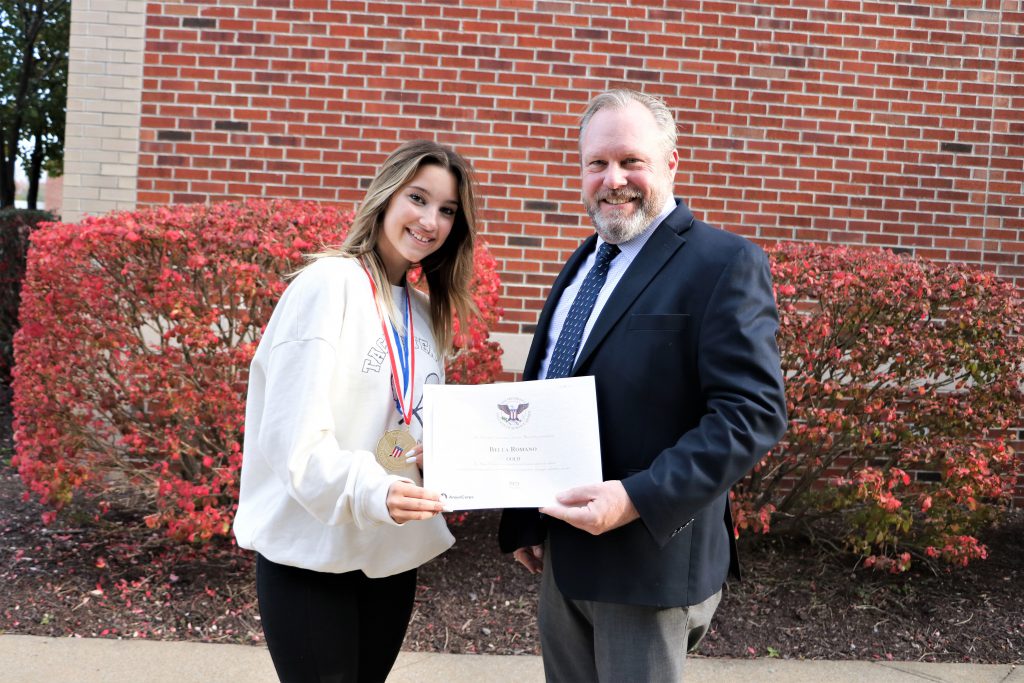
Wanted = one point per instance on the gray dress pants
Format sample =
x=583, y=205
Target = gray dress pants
x=583, y=641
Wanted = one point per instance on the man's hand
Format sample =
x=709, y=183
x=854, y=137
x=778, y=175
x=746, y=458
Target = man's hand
x=531, y=557
x=596, y=508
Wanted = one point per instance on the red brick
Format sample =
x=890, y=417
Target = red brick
x=795, y=123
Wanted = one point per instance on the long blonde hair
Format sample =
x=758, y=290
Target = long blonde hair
x=449, y=269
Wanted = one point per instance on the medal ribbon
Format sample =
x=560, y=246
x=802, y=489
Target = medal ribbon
x=406, y=358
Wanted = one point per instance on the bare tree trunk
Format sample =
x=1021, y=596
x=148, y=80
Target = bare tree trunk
x=35, y=171
x=6, y=173
x=6, y=188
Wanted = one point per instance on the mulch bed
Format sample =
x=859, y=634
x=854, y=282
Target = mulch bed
x=112, y=577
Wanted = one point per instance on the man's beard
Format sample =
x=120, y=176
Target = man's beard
x=617, y=229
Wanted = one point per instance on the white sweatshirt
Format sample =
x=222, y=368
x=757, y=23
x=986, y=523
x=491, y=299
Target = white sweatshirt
x=312, y=493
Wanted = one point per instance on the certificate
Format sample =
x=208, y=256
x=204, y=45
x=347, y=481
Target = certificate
x=510, y=445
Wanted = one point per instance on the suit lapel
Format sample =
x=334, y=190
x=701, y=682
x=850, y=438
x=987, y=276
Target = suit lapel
x=667, y=239
x=540, y=335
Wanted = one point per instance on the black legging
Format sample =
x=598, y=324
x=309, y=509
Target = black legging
x=332, y=628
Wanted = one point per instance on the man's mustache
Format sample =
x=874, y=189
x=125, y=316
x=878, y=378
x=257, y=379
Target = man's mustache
x=619, y=196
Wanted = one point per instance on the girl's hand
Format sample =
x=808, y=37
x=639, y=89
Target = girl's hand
x=415, y=455
x=408, y=502
x=531, y=557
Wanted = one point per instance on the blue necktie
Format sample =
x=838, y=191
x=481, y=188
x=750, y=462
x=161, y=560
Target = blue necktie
x=568, y=344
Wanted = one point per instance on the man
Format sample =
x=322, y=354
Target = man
x=676, y=322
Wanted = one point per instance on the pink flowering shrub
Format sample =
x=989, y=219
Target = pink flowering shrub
x=137, y=333
x=894, y=366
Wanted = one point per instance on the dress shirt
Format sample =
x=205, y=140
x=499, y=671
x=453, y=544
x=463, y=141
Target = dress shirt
x=617, y=269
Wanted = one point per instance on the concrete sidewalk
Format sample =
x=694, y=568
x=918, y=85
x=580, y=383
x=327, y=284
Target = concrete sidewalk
x=31, y=659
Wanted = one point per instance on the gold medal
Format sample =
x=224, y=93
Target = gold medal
x=391, y=449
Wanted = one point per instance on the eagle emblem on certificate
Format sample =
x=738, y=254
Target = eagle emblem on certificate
x=513, y=412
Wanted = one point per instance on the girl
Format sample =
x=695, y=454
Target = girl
x=330, y=488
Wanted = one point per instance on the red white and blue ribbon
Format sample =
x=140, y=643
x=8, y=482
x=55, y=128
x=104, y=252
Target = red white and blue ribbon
x=400, y=352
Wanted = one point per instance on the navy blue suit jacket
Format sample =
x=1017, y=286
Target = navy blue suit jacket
x=689, y=396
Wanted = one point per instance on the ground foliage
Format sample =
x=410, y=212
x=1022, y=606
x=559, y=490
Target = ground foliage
x=111, y=576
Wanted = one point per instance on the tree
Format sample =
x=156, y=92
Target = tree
x=33, y=90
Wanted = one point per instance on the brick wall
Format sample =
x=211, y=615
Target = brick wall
x=894, y=124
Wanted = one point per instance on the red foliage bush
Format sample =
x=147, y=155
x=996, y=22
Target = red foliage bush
x=137, y=333
x=894, y=366
x=15, y=227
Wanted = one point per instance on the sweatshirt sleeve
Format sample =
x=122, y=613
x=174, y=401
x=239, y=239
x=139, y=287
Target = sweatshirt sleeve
x=297, y=431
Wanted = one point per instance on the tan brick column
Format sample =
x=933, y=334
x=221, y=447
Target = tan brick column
x=104, y=86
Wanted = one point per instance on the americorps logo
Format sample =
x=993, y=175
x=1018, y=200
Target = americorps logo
x=513, y=412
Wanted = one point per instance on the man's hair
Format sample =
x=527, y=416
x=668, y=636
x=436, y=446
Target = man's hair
x=621, y=98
